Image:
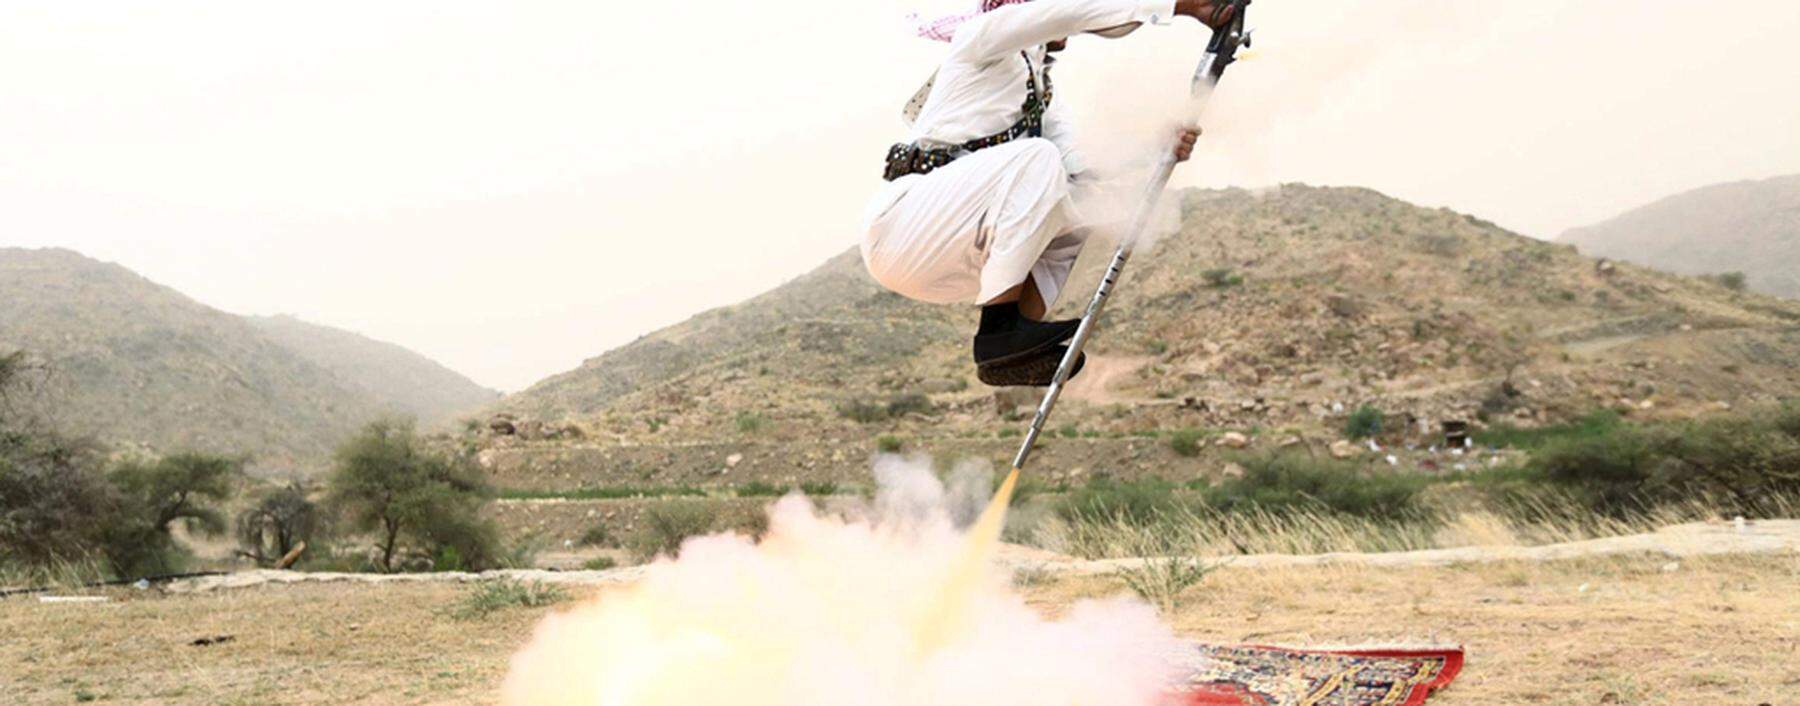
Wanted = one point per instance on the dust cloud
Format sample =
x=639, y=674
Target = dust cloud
x=829, y=610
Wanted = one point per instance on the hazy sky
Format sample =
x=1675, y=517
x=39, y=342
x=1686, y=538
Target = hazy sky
x=512, y=187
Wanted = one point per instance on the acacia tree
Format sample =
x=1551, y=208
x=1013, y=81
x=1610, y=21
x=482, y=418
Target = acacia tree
x=158, y=494
x=281, y=521
x=412, y=498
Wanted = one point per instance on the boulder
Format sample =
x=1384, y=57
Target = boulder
x=1233, y=440
x=1342, y=449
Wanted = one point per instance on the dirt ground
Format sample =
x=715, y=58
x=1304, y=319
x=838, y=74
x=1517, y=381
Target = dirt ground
x=1620, y=630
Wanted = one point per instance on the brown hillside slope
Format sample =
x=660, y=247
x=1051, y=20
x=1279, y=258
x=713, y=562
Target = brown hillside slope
x=1266, y=312
x=1751, y=227
x=396, y=376
x=131, y=361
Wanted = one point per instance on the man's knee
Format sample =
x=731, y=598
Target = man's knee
x=1040, y=151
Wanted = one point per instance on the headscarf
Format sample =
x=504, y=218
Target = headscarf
x=943, y=28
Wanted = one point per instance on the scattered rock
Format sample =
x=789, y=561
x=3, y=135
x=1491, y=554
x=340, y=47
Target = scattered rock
x=733, y=460
x=502, y=425
x=1342, y=449
x=1233, y=440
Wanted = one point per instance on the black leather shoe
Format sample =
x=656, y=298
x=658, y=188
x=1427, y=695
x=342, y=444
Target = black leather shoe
x=1036, y=370
x=1022, y=340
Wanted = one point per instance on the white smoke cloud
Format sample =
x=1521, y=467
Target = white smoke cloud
x=829, y=611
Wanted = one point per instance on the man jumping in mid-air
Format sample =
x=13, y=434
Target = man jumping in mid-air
x=978, y=205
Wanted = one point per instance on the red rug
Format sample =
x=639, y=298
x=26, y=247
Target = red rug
x=1247, y=675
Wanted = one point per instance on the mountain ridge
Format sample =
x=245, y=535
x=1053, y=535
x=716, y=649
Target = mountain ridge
x=1750, y=226
x=138, y=363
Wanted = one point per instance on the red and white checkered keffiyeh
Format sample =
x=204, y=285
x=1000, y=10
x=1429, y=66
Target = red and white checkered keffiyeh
x=943, y=28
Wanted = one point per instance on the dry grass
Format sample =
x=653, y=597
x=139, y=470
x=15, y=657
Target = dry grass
x=1723, y=631
x=1185, y=531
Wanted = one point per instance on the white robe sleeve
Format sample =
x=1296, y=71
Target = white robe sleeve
x=1059, y=129
x=1014, y=28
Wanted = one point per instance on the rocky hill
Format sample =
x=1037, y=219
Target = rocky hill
x=136, y=363
x=394, y=375
x=1268, y=314
x=1751, y=227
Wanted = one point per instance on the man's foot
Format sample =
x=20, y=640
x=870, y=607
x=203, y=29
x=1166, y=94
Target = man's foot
x=1007, y=336
x=1033, y=371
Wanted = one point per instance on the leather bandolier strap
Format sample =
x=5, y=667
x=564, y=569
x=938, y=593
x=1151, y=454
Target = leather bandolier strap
x=909, y=158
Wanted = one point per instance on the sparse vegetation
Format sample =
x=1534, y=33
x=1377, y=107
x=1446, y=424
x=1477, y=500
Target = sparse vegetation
x=1162, y=580
x=1220, y=278
x=894, y=407
x=604, y=492
x=600, y=563
x=1187, y=442
x=749, y=422
x=597, y=536
x=488, y=597
x=664, y=527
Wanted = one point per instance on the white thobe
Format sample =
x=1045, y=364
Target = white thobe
x=974, y=228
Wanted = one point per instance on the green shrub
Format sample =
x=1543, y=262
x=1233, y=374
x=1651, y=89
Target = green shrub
x=1070, y=431
x=599, y=563
x=749, y=422
x=1283, y=482
x=487, y=597
x=820, y=488
x=1140, y=502
x=1734, y=281
x=1599, y=423
x=1187, y=442
x=53, y=500
x=1363, y=423
x=889, y=444
x=758, y=489
x=894, y=407
x=1739, y=461
x=664, y=527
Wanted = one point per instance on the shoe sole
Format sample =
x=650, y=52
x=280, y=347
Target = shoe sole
x=1036, y=372
x=1031, y=352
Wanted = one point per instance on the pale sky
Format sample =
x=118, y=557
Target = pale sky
x=510, y=188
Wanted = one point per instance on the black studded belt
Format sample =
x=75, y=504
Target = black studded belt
x=909, y=158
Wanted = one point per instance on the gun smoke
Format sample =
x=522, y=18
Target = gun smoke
x=827, y=609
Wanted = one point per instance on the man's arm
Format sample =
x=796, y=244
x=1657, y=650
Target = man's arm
x=1014, y=28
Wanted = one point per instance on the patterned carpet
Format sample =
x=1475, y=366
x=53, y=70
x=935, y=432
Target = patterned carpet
x=1243, y=675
